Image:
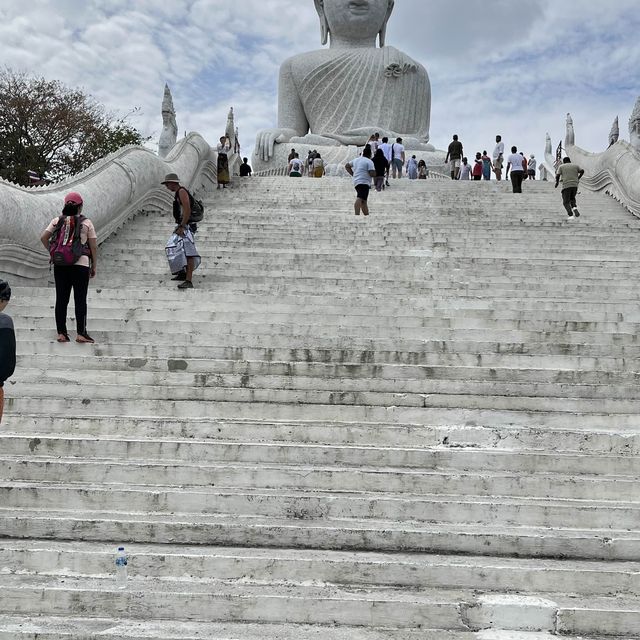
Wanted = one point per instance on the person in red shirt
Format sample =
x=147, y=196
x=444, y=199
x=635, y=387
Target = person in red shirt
x=476, y=172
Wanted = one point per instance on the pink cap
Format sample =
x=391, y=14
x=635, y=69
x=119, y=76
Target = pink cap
x=73, y=197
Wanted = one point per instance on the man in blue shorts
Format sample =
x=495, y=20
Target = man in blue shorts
x=362, y=169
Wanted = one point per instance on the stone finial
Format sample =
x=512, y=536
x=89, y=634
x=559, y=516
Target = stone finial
x=614, y=134
x=169, y=133
x=548, y=147
x=570, y=137
x=634, y=126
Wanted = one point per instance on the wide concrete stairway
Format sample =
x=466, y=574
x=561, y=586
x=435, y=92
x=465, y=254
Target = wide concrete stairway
x=420, y=425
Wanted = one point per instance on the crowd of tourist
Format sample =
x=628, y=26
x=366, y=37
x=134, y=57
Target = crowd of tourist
x=518, y=169
x=379, y=159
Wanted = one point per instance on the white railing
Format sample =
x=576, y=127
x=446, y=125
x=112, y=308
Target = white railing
x=615, y=172
x=114, y=189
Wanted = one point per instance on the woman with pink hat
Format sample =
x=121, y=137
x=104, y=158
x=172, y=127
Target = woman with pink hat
x=73, y=245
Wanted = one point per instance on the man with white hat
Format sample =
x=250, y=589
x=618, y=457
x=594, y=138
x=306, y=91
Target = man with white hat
x=182, y=205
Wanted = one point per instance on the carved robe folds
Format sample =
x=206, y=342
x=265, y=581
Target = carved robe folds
x=351, y=94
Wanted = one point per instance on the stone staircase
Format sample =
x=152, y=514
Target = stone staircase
x=422, y=426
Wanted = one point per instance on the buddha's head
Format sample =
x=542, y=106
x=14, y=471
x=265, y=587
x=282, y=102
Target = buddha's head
x=354, y=20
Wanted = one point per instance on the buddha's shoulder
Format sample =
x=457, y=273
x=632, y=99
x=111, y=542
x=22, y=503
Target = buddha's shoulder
x=304, y=62
x=309, y=57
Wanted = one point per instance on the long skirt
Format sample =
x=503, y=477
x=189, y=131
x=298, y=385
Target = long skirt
x=223, y=169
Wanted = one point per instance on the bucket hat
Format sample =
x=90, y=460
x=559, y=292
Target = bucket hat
x=171, y=177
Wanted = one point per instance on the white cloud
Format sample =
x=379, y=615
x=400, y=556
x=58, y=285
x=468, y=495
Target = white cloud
x=499, y=66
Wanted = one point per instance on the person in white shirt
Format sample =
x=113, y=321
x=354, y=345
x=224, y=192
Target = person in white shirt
x=373, y=143
x=397, y=158
x=515, y=163
x=465, y=170
x=362, y=169
x=498, y=157
x=296, y=167
x=531, y=167
x=499, y=148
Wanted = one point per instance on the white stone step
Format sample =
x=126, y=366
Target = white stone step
x=142, y=320
x=322, y=478
x=501, y=369
x=446, y=509
x=414, y=352
x=75, y=628
x=569, y=415
x=154, y=296
x=402, y=320
x=390, y=608
x=51, y=628
x=368, y=387
x=298, y=532
x=419, y=458
x=167, y=599
x=279, y=566
x=95, y=398
x=44, y=434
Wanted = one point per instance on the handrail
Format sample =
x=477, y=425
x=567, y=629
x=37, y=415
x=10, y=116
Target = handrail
x=114, y=188
x=615, y=172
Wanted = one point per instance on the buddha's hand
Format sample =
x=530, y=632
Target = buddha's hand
x=266, y=141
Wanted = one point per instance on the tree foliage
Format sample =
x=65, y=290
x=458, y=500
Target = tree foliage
x=54, y=130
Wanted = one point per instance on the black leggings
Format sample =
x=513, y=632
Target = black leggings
x=569, y=199
x=77, y=278
x=516, y=180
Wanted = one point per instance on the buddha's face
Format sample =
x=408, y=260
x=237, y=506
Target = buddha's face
x=356, y=18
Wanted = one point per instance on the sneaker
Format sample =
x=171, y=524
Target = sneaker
x=187, y=284
x=386, y=184
x=85, y=338
x=570, y=215
x=576, y=213
x=180, y=276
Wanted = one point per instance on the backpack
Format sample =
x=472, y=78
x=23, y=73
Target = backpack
x=197, y=208
x=65, y=246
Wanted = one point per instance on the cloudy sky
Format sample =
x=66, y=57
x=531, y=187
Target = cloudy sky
x=495, y=65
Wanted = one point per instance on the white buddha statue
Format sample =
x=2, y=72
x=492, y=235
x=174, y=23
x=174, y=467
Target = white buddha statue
x=344, y=94
x=634, y=127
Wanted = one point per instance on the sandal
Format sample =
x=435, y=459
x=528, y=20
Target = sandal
x=63, y=337
x=85, y=338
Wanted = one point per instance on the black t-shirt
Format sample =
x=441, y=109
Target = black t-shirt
x=177, y=209
x=381, y=164
x=7, y=348
x=245, y=170
x=455, y=150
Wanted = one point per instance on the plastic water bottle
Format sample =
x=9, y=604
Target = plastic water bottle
x=121, y=568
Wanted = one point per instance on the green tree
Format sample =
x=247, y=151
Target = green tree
x=54, y=130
